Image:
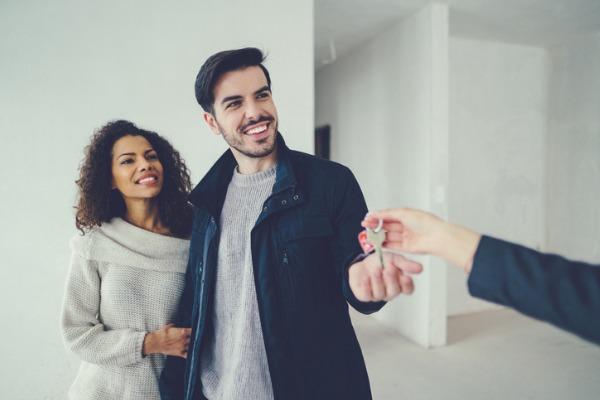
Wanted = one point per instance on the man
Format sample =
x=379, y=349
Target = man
x=543, y=286
x=268, y=277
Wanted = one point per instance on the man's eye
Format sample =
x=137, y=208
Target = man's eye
x=233, y=104
x=263, y=95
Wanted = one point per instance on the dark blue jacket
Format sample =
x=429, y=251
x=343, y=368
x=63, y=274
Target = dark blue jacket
x=302, y=245
x=543, y=286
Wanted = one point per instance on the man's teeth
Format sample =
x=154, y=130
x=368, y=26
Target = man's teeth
x=147, y=180
x=256, y=130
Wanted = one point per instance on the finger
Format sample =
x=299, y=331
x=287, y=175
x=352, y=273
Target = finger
x=365, y=290
x=394, y=236
x=406, y=265
x=390, y=214
x=359, y=281
x=406, y=283
x=377, y=285
x=392, y=285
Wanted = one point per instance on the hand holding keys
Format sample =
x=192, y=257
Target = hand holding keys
x=373, y=280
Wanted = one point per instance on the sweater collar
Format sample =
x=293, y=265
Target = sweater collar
x=210, y=192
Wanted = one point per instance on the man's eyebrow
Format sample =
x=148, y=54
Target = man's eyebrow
x=238, y=97
x=229, y=98
x=262, y=89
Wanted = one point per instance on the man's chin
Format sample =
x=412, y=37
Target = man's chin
x=258, y=153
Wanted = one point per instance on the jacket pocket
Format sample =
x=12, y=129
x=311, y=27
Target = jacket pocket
x=305, y=260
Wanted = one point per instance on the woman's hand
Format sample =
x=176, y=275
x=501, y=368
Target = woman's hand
x=167, y=340
x=415, y=231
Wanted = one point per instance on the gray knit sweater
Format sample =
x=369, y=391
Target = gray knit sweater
x=124, y=281
x=234, y=362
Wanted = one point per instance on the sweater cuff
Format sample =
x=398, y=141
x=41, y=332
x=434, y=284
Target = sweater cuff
x=139, y=345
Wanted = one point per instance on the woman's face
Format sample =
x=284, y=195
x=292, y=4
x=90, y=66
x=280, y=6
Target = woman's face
x=136, y=171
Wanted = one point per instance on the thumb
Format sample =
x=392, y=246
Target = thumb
x=389, y=214
x=406, y=265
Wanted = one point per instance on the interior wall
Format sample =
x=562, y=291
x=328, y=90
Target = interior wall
x=573, y=157
x=386, y=102
x=498, y=124
x=67, y=68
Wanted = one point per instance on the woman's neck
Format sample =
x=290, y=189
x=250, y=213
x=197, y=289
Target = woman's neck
x=143, y=213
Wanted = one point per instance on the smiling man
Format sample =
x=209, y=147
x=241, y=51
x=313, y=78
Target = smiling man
x=271, y=270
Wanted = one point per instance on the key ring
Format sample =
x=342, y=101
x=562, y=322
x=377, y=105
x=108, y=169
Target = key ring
x=379, y=226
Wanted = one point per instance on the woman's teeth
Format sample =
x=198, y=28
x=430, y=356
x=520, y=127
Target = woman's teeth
x=147, y=180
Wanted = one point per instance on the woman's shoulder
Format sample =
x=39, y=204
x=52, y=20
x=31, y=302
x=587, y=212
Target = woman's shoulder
x=82, y=243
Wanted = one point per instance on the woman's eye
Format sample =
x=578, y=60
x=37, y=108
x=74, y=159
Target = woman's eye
x=152, y=156
x=126, y=161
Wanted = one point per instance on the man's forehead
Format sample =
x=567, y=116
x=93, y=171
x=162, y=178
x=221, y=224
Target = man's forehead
x=240, y=82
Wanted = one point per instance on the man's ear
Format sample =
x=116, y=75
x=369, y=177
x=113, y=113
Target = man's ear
x=211, y=121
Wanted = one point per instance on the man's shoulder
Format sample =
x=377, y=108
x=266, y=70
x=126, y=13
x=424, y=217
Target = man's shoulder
x=309, y=162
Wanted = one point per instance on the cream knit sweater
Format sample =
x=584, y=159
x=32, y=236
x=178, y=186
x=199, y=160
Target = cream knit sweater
x=124, y=282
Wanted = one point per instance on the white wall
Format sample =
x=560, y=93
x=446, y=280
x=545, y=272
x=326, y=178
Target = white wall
x=386, y=103
x=69, y=66
x=498, y=122
x=573, y=158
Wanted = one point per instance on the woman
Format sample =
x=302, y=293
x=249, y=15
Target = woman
x=128, y=266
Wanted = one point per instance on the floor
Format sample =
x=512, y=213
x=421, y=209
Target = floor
x=491, y=355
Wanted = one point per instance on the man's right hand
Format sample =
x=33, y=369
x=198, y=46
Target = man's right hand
x=370, y=282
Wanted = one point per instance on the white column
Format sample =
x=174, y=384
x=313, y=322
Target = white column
x=387, y=104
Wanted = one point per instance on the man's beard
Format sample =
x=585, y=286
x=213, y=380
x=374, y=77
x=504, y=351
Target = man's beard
x=264, y=150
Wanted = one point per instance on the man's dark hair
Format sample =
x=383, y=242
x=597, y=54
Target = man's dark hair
x=220, y=63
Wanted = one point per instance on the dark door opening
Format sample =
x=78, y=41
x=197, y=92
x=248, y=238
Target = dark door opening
x=323, y=141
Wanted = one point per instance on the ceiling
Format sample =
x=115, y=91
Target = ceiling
x=345, y=24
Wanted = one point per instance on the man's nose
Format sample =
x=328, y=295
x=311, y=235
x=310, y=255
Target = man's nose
x=253, y=110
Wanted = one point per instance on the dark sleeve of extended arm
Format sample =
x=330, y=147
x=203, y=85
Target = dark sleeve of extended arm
x=171, y=382
x=543, y=286
x=350, y=210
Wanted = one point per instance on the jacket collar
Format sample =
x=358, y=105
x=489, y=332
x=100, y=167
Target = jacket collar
x=210, y=192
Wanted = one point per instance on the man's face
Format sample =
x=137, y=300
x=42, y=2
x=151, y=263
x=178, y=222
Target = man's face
x=244, y=112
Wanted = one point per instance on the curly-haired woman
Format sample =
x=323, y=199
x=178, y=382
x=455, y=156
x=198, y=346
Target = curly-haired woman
x=128, y=265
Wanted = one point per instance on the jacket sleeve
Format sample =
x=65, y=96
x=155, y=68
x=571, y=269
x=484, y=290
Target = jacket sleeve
x=83, y=332
x=543, y=286
x=172, y=378
x=350, y=209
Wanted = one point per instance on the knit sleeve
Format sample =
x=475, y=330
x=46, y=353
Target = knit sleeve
x=83, y=332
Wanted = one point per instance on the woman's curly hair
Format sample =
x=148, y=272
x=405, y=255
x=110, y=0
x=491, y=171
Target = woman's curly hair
x=98, y=202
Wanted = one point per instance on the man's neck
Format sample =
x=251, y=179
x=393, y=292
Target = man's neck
x=249, y=165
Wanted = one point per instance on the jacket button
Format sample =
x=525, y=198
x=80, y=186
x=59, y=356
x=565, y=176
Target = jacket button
x=296, y=197
x=265, y=208
x=283, y=202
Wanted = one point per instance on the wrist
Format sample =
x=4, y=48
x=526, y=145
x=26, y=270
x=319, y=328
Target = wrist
x=149, y=346
x=457, y=245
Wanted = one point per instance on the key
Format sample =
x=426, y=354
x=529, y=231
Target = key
x=376, y=237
